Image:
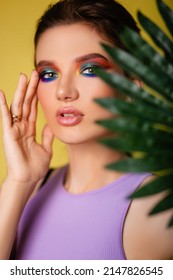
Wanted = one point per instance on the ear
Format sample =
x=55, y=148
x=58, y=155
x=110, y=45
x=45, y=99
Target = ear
x=139, y=83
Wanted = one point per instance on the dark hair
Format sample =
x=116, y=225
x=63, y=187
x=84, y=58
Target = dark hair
x=106, y=16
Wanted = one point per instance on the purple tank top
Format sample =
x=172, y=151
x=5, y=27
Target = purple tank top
x=58, y=225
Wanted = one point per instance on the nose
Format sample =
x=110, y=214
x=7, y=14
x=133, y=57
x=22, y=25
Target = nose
x=66, y=90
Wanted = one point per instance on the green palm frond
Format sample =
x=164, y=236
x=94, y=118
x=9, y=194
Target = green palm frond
x=144, y=125
x=167, y=15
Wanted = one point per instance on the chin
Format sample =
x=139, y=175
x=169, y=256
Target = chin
x=72, y=141
x=77, y=135
x=81, y=139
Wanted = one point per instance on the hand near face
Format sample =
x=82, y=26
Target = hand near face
x=27, y=161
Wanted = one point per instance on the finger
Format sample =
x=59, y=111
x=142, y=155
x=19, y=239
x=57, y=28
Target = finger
x=33, y=112
x=30, y=93
x=17, y=103
x=47, y=139
x=5, y=112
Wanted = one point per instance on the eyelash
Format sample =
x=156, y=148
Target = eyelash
x=53, y=76
x=89, y=67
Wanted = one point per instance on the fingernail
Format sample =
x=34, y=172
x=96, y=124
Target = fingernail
x=1, y=94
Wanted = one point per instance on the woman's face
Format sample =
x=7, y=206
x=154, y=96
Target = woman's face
x=66, y=56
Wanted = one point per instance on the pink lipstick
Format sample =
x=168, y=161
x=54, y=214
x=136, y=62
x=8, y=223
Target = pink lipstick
x=69, y=116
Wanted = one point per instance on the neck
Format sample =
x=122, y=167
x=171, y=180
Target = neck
x=87, y=167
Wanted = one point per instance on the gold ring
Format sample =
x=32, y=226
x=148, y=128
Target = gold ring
x=16, y=118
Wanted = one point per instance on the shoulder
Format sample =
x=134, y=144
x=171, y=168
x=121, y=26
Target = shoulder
x=148, y=236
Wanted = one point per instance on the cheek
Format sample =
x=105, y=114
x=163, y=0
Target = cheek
x=91, y=88
x=45, y=98
x=41, y=96
x=41, y=92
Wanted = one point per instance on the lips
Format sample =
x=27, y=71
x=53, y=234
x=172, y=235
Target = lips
x=69, y=116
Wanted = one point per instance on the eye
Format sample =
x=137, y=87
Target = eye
x=48, y=76
x=88, y=70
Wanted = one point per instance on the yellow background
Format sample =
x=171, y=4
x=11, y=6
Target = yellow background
x=17, y=25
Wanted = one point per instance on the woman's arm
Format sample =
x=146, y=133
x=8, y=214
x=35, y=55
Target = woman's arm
x=13, y=198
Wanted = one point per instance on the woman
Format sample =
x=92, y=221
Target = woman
x=82, y=211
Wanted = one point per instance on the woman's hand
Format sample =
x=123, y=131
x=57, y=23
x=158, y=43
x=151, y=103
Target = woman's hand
x=27, y=161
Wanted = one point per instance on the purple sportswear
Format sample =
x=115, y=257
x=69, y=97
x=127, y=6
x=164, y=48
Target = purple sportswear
x=58, y=225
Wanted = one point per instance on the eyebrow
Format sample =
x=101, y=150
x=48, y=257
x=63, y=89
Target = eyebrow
x=45, y=63
x=78, y=59
x=90, y=56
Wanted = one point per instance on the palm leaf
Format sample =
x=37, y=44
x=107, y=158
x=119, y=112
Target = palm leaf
x=139, y=164
x=170, y=222
x=128, y=87
x=163, y=205
x=144, y=52
x=137, y=109
x=126, y=144
x=157, y=35
x=145, y=72
x=158, y=185
x=167, y=15
x=144, y=125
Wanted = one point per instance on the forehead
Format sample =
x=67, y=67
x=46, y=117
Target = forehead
x=68, y=42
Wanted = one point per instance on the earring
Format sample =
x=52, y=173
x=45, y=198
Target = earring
x=129, y=99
